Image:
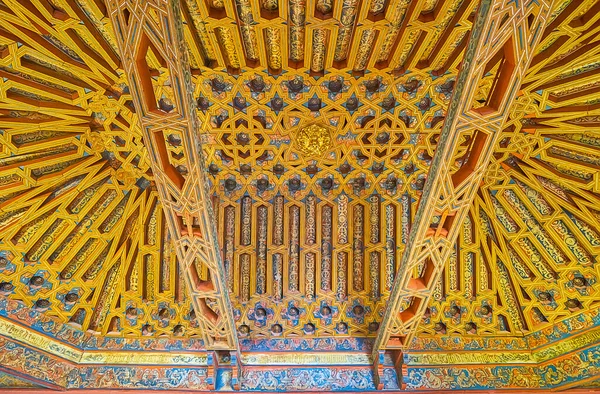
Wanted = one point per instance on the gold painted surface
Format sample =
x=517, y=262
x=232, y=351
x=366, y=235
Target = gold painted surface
x=313, y=140
x=48, y=344
x=72, y=154
x=141, y=358
x=526, y=214
x=107, y=210
x=39, y=341
x=567, y=345
x=306, y=358
x=467, y=139
x=540, y=355
x=274, y=48
x=459, y=358
x=10, y=381
x=166, y=112
x=115, y=357
x=319, y=47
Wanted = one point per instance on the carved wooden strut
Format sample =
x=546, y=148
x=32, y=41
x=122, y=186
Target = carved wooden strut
x=504, y=36
x=152, y=48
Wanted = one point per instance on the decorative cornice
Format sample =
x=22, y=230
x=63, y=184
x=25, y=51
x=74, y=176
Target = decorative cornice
x=27, y=336
x=77, y=368
x=583, y=330
x=550, y=352
x=542, y=338
x=466, y=358
x=306, y=359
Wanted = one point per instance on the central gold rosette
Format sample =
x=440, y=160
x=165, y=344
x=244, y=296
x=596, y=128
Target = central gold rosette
x=313, y=140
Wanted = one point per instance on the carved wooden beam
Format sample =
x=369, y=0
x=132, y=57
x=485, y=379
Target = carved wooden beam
x=153, y=54
x=503, y=39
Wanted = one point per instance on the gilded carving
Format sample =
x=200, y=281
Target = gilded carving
x=308, y=218
x=319, y=50
x=313, y=140
x=273, y=48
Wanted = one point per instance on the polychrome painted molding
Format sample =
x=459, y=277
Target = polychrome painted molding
x=76, y=188
x=320, y=135
x=566, y=371
x=41, y=356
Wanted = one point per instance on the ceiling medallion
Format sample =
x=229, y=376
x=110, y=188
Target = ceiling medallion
x=313, y=140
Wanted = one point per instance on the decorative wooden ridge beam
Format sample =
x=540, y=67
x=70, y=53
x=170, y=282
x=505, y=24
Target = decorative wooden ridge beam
x=503, y=39
x=152, y=48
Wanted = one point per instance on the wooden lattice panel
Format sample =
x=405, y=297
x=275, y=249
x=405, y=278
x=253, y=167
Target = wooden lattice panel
x=535, y=211
x=504, y=39
x=318, y=37
x=313, y=237
x=83, y=234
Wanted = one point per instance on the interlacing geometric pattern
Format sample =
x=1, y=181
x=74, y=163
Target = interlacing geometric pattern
x=320, y=125
x=310, y=239
x=83, y=234
x=536, y=206
x=504, y=36
x=149, y=38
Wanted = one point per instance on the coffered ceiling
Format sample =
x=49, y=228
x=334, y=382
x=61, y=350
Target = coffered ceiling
x=319, y=123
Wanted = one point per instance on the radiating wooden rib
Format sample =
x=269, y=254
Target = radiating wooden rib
x=228, y=48
x=108, y=50
x=390, y=246
x=544, y=60
x=358, y=250
x=278, y=216
x=453, y=57
x=446, y=198
x=53, y=75
x=245, y=277
x=589, y=50
x=228, y=245
x=261, y=250
x=377, y=6
x=374, y=274
x=365, y=49
x=309, y=275
x=399, y=22
x=277, y=276
x=442, y=40
x=246, y=221
x=414, y=50
x=592, y=75
x=86, y=24
x=31, y=39
x=374, y=218
x=509, y=295
x=342, y=276
x=570, y=10
x=326, y=247
x=185, y=200
x=104, y=300
x=294, y=250
x=310, y=227
x=586, y=17
x=199, y=34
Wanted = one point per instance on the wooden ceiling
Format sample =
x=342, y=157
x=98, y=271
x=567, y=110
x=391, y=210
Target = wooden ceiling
x=311, y=236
